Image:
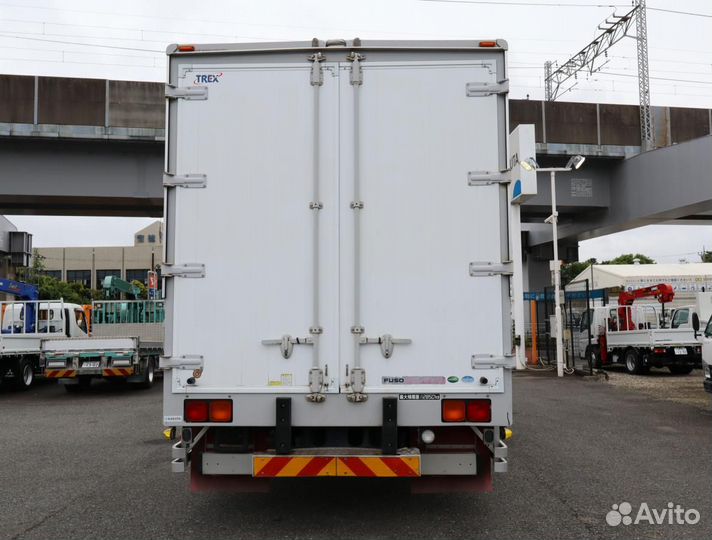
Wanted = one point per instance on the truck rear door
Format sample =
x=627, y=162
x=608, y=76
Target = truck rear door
x=414, y=319
x=253, y=316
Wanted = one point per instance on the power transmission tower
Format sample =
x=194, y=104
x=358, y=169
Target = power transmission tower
x=612, y=30
x=547, y=81
x=647, y=138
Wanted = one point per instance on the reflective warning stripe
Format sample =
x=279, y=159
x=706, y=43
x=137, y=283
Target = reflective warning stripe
x=378, y=466
x=293, y=467
x=117, y=372
x=361, y=466
x=60, y=373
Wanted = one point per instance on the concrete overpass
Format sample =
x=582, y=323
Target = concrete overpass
x=95, y=147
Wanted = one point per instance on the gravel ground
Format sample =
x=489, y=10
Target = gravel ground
x=663, y=385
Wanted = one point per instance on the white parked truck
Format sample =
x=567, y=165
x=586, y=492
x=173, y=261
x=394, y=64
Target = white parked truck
x=21, y=340
x=125, y=343
x=639, y=337
x=707, y=354
x=360, y=320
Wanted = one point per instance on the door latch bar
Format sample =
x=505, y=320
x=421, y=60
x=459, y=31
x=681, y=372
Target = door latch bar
x=386, y=341
x=286, y=343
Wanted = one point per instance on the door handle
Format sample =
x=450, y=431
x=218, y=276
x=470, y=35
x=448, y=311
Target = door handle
x=386, y=341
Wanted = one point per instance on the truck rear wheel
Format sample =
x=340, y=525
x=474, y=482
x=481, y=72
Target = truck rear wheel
x=680, y=370
x=634, y=363
x=149, y=374
x=594, y=354
x=24, y=374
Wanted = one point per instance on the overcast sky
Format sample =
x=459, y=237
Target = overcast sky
x=126, y=40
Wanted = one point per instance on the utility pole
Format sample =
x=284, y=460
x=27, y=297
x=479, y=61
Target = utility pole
x=647, y=139
x=548, y=90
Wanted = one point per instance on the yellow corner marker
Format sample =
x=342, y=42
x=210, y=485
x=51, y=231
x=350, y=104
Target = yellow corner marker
x=508, y=433
x=169, y=433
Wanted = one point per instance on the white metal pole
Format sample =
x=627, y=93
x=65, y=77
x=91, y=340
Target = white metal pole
x=557, y=281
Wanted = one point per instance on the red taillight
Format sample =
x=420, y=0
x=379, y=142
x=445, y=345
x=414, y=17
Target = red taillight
x=221, y=410
x=207, y=410
x=479, y=410
x=472, y=410
x=453, y=410
x=186, y=48
x=488, y=43
x=659, y=350
x=196, y=410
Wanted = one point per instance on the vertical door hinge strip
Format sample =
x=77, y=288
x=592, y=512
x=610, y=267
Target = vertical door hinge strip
x=186, y=92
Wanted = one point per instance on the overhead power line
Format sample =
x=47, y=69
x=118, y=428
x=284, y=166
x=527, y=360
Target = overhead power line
x=690, y=13
x=520, y=4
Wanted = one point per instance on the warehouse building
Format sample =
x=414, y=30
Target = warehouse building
x=90, y=265
x=687, y=279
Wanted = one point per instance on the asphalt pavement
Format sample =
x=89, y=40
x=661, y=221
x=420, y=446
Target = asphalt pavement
x=95, y=465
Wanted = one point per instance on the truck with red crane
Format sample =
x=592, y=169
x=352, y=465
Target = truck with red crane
x=638, y=335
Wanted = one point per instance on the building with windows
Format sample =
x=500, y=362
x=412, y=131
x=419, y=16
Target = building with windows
x=90, y=265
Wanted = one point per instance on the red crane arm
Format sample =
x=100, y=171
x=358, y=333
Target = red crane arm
x=662, y=292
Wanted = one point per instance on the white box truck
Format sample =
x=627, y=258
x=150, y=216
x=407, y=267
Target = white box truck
x=342, y=262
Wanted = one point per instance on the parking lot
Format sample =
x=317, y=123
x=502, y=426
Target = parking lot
x=96, y=465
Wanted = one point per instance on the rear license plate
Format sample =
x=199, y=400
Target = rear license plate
x=90, y=364
x=680, y=350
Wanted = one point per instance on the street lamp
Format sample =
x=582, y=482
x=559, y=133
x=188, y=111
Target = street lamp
x=530, y=164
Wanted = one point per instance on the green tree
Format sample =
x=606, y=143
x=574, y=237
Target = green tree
x=629, y=258
x=51, y=288
x=142, y=287
x=705, y=256
x=571, y=270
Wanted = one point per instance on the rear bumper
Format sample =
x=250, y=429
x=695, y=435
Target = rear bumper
x=671, y=359
x=408, y=463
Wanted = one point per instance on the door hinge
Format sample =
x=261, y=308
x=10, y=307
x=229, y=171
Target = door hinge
x=356, y=77
x=491, y=360
x=186, y=92
x=189, y=270
x=184, y=180
x=286, y=343
x=484, y=89
x=486, y=178
x=185, y=361
x=317, y=73
x=480, y=269
x=386, y=341
x=316, y=386
x=356, y=384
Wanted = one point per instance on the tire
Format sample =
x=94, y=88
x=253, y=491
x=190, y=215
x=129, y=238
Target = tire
x=24, y=374
x=149, y=375
x=680, y=370
x=633, y=362
x=594, y=354
x=82, y=384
